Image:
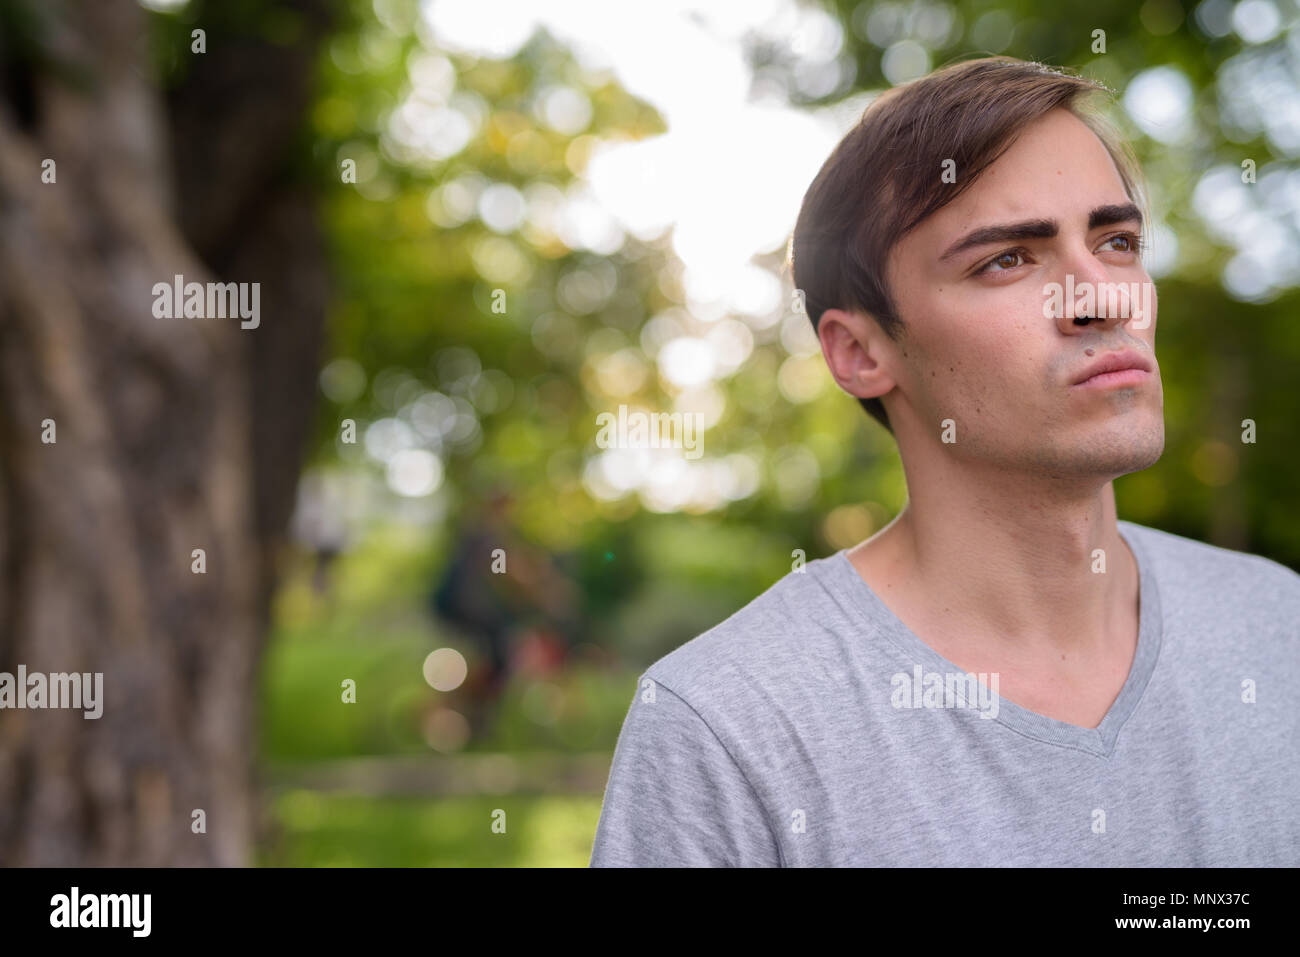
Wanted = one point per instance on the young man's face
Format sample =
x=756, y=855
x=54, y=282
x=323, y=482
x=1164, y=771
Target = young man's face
x=978, y=347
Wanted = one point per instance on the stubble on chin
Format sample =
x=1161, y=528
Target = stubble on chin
x=1104, y=454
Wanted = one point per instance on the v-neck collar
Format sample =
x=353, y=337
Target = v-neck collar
x=1099, y=740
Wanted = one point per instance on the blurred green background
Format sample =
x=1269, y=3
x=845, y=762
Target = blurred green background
x=486, y=307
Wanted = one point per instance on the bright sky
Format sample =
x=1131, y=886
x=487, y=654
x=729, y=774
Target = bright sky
x=730, y=172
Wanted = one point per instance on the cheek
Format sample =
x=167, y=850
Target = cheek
x=955, y=365
x=983, y=336
x=971, y=350
x=989, y=365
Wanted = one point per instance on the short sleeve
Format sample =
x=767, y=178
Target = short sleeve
x=675, y=796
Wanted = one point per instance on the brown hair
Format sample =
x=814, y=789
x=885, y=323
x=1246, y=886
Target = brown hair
x=884, y=177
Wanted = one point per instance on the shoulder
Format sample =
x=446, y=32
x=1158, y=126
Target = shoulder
x=1181, y=561
x=1219, y=589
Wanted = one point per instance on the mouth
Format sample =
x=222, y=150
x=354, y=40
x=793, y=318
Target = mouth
x=1115, y=370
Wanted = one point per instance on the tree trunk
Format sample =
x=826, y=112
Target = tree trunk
x=161, y=442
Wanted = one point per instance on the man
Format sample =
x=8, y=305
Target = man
x=1005, y=674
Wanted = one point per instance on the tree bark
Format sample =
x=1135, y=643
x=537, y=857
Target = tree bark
x=171, y=434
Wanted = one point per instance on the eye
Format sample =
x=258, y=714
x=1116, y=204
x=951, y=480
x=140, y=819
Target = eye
x=1000, y=258
x=1133, y=242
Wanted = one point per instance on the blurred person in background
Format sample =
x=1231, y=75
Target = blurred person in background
x=509, y=599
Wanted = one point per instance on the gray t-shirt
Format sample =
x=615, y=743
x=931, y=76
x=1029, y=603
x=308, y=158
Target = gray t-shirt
x=810, y=729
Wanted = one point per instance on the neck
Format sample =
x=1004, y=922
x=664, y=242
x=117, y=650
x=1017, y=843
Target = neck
x=1013, y=558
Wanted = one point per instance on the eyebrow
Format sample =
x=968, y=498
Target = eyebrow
x=1041, y=228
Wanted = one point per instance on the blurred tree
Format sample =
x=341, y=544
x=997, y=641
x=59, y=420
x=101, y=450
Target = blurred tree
x=169, y=435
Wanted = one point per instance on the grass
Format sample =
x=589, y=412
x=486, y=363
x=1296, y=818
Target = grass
x=317, y=830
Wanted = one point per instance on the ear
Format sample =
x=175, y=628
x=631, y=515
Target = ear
x=857, y=352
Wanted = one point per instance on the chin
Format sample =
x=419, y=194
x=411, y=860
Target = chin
x=1100, y=450
x=1123, y=447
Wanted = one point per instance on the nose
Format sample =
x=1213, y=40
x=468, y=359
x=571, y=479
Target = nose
x=1090, y=299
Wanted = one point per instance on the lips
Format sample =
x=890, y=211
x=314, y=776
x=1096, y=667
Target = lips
x=1120, y=361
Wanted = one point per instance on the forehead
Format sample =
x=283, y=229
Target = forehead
x=1056, y=169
